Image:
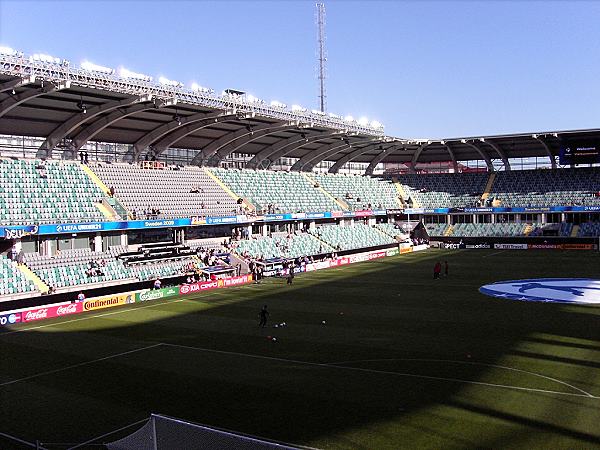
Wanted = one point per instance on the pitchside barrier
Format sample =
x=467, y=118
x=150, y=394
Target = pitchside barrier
x=126, y=298
x=516, y=246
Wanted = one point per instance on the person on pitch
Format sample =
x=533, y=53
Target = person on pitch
x=264, y=314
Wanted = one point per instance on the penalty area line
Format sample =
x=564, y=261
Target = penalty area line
x=72, y=366
x=382, y=372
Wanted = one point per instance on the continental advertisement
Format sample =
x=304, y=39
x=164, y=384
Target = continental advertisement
x=149, y=294
x=108, y=301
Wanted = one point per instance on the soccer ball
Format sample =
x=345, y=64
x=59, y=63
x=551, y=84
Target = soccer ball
x=274, y=339
x=275, y=326
x=323, y=323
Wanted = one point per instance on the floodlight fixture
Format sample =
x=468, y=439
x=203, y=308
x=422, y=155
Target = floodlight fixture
x=481, y=139
x=197, y=88
x=443, y=142
x=126, y=73
x=7, y=51
x=45, y=58
x=91, y=67
x=535, y=136
x=376, y=124
x=555, y=135
x=464, y=141
x=166, y=82
x=277, y=104
x=363, y=121
x=349, y=119
x=298, y=108
x=317, y=112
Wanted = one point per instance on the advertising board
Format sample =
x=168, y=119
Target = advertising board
x=48, y=312
x=108, y=301
x=150, y=294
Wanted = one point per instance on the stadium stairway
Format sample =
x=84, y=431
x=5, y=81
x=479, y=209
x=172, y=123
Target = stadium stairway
x=575, y=231
x=232, y=194
x=105, y=208
x=402, y=193
x=235, y=260
x=342, y=205
x=449, y=230
x=488, y=186
x=31, y=276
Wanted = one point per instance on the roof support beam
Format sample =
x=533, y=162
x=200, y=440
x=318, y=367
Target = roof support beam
x=157, y=133
x=234, y=146
x=206, y=154
x=171, y=138
x=78, y=120
x=452, y=156
x=377, y=159
x=416, y=155
x=102, y=123
x=310, y=160
x=15, y=100
x=483, y=155
x=16, y=83
x=542, y=141
x=500, y=153
x=269, y=154
x=355, y=154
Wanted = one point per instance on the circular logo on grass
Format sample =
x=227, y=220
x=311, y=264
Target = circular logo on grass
x=560, y=290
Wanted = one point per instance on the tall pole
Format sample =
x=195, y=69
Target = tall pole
x=322, y=55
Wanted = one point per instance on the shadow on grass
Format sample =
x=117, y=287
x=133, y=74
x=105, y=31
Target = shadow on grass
x=392, y=309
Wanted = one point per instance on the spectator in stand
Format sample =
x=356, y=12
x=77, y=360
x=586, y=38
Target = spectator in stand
x=80, y=297
x=81, y=157
x=111, y=191
x=157, y=283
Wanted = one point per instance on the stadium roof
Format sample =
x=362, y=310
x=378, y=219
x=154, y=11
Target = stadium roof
x=69, y=106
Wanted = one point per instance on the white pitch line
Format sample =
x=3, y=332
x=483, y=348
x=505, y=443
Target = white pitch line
x=48, y=372
x=495, y=253
x=382, y=372
x=468, y=363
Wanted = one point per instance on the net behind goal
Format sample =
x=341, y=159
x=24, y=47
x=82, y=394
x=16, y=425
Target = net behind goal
x=166, y=433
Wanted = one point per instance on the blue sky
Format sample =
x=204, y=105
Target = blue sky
x=423, y=69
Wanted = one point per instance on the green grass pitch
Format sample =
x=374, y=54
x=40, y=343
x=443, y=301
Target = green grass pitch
x=403, y=361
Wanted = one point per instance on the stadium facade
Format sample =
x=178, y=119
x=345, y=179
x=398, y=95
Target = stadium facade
x=110, y=180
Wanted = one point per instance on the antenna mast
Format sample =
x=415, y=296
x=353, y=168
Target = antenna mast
x=322, y=55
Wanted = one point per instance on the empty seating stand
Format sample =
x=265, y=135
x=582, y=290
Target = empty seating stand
x=33, y=192
x=292, y=246
x=352, y=237
x=545, y=187
x=285, y=192
x=13, y=280
x=184, y=192
x=444, y=190
x=360, y=192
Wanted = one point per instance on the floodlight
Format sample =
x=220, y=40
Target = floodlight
x=197, y=88
x=481, y=139
x=375, y=124
x=349, y=119
x=363, y=121
x=276, y=104
x=45, y=58
x=7, y=51
x=298, y=108
x=535, y=136
x=251, y=98
x=126, y=73
x=166, y=82
x=464, y=141
x=443, y=142
x=91, y=67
